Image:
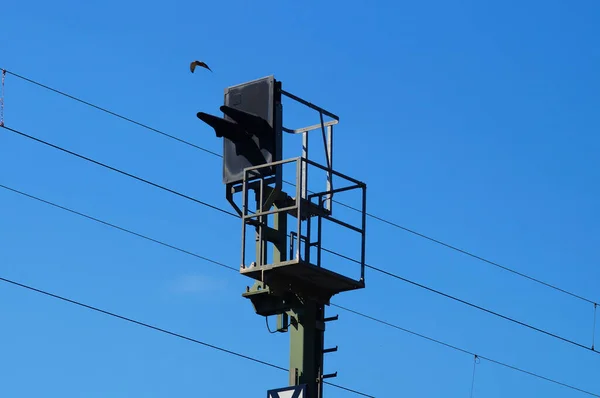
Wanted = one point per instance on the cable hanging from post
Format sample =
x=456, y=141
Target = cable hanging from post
x=373, y=216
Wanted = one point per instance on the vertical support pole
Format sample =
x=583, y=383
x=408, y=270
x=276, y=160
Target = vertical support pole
x=280, y=254
x=306, y=347
x=329, y=173
x=304, y=190
x=304, y=181
x=308, y=242
x=364, y=233
x=280, y=247
x=304, y=193
x=261, y=245
x=299, y=177
x=319, y=233
x=244, y=214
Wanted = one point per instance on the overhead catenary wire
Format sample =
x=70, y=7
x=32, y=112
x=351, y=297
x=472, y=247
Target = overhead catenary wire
x=456, y=348
x=390, y=274
x=467, y=253
x=119, y=171
x=497, y=314
x=113, y=113
x=119, y=228
x=467, y=303
x=230, y=212
x=373, y=216
x=162, y=330
x=364, y=315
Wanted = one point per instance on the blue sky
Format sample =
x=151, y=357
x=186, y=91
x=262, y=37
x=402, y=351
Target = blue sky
x=473, y=123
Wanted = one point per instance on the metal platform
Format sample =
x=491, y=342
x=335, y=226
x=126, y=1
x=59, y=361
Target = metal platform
x=301, y=276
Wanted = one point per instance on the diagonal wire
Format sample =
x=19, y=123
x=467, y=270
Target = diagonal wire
x=523, y=324
x=495, y=264
x=119, y=228
x=112, y=113
x=162, y=330
x=513, y=320
x=456, y=348
x=375, y=217
x=146, y=325
x=119, y=171
x=467, y=303
x=340, y=203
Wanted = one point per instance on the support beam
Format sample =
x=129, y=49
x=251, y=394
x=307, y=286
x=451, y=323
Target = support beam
x=306, y=347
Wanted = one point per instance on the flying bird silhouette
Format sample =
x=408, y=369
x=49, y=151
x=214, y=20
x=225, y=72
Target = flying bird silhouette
x=198, y=63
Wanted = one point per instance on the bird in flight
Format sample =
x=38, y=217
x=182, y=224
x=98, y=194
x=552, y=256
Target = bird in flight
x=198, y=63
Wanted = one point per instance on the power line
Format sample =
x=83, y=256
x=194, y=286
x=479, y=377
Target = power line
x=387, y=273
x=112, y=113
x=232, y=268
x=162, y=330
x=340, y=203
x=146, y=325
x=456, y=348
x=375, y=217
x=482, y=309
x=119, y=228
x=467, y=253
x=332, y=304
x=119, y=171
x=459, y=300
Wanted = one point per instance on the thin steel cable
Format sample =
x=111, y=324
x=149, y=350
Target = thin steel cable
x=154, y=241
x=146, y=325
x=235, y=215
x=119, y=171
x=439, y=242
x=467, y=303
x=162, y=330
x=340, y=203
x=332, y=304
x=112, y=113
x=119, y=228
x=554, y=381
x=327, y=250
x=375, y=217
